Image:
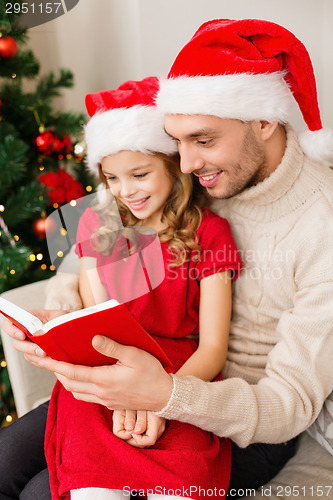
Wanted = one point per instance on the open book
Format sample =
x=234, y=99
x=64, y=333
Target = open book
x=69, y=336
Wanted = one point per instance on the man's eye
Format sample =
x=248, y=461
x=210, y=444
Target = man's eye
x=205, y=142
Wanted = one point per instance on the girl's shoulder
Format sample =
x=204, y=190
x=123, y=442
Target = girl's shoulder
x=90, y=218
x=212, y=221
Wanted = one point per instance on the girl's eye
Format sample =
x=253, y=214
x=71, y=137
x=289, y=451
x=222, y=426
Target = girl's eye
x=140, y=176
x=110, y=178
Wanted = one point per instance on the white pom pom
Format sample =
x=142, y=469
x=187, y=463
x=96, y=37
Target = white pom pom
x=318, y=145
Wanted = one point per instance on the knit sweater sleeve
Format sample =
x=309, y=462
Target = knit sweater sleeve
x=298, y=375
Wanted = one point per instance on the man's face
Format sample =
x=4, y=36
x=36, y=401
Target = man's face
x=227, y=155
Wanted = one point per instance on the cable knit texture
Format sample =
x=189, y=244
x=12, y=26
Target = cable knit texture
x=279, y=369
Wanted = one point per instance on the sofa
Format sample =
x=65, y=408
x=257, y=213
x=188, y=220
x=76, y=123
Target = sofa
x=308, y=475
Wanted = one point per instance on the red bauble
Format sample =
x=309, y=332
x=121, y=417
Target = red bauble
x=38, y=227
x=44, y=226
x=48, y=143
x=68, y=145
x=58, y=145
x=45, y=143
x=8, y=47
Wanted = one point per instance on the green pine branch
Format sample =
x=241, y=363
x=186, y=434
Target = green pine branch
x=11, y=21
x=84, y=176
x=29, y=198
x=12, y=162
x=24, y=64
x=68, y=123
x=49, y=85
x=12, y=258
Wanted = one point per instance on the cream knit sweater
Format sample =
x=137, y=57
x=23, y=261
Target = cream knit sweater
x=280, y=362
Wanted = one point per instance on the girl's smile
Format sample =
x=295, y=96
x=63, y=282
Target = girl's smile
x=137, y=205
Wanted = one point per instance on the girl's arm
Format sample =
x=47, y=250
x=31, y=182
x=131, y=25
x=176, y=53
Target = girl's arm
x=214, y=322
x=91, y=289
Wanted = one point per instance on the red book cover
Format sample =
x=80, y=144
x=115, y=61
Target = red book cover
x=69, y=337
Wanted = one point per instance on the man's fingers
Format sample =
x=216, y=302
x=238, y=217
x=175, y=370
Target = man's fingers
x=12, y=330
x=68, y=370
x=28, y=348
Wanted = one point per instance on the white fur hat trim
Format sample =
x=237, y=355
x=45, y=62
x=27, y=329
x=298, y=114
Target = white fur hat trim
x=242, y=96
x=139, y=128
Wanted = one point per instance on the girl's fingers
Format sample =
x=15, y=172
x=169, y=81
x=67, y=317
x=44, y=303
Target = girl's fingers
x=130, y=420
x=141, y=422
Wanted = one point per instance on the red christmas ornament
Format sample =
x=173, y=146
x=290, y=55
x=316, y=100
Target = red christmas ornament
x=38, y=227
x=64, y=188
x=44, y=225
x=8, y=47
x=58, y=146
x=45, y=143
x=48, y=143
x=68, y=145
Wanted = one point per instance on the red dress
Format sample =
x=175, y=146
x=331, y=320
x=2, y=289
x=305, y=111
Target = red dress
x=81, y=449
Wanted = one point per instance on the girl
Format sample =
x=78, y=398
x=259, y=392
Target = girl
x=127, y=145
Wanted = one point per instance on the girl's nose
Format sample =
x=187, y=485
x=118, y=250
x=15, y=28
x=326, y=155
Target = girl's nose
x=127, y=189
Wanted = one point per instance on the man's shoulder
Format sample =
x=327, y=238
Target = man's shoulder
x=322, y=178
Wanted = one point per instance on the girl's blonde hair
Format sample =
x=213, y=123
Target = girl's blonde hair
x=182, y=214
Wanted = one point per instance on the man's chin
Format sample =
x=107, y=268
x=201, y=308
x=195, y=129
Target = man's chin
x=219, y=193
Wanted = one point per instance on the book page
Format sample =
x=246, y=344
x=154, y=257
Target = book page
x=31, y=322
x=77, y=314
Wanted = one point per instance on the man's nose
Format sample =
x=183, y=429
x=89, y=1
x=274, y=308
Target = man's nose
x=189, y=159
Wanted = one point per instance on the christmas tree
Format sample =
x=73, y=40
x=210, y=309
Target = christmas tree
x=41, y=164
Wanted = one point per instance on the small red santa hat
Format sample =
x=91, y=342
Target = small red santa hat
x=248, y=70
x=125, y=118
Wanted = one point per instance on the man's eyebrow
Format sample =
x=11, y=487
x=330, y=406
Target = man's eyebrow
x=197, y=133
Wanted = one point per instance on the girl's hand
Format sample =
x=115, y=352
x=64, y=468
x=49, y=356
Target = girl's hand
x=127, y=422
x=155, y=429
x=140, y=429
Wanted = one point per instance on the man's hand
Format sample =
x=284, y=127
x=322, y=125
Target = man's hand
x=21, y=343
x=136, y=381
x=138, y=428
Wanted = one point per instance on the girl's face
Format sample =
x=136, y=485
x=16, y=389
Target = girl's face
x=142, y=182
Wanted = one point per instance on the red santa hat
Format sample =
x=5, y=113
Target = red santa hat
x=125, y=118
x=248, y=70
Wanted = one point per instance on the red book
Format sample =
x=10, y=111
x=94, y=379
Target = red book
x=69, y=337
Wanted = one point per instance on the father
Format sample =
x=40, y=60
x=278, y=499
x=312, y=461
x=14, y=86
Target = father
x=226, y=101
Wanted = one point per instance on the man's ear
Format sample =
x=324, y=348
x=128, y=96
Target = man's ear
x=267, y=129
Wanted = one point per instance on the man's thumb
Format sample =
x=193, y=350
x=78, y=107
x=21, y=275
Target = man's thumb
x=106, y=346
x=128, y=355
